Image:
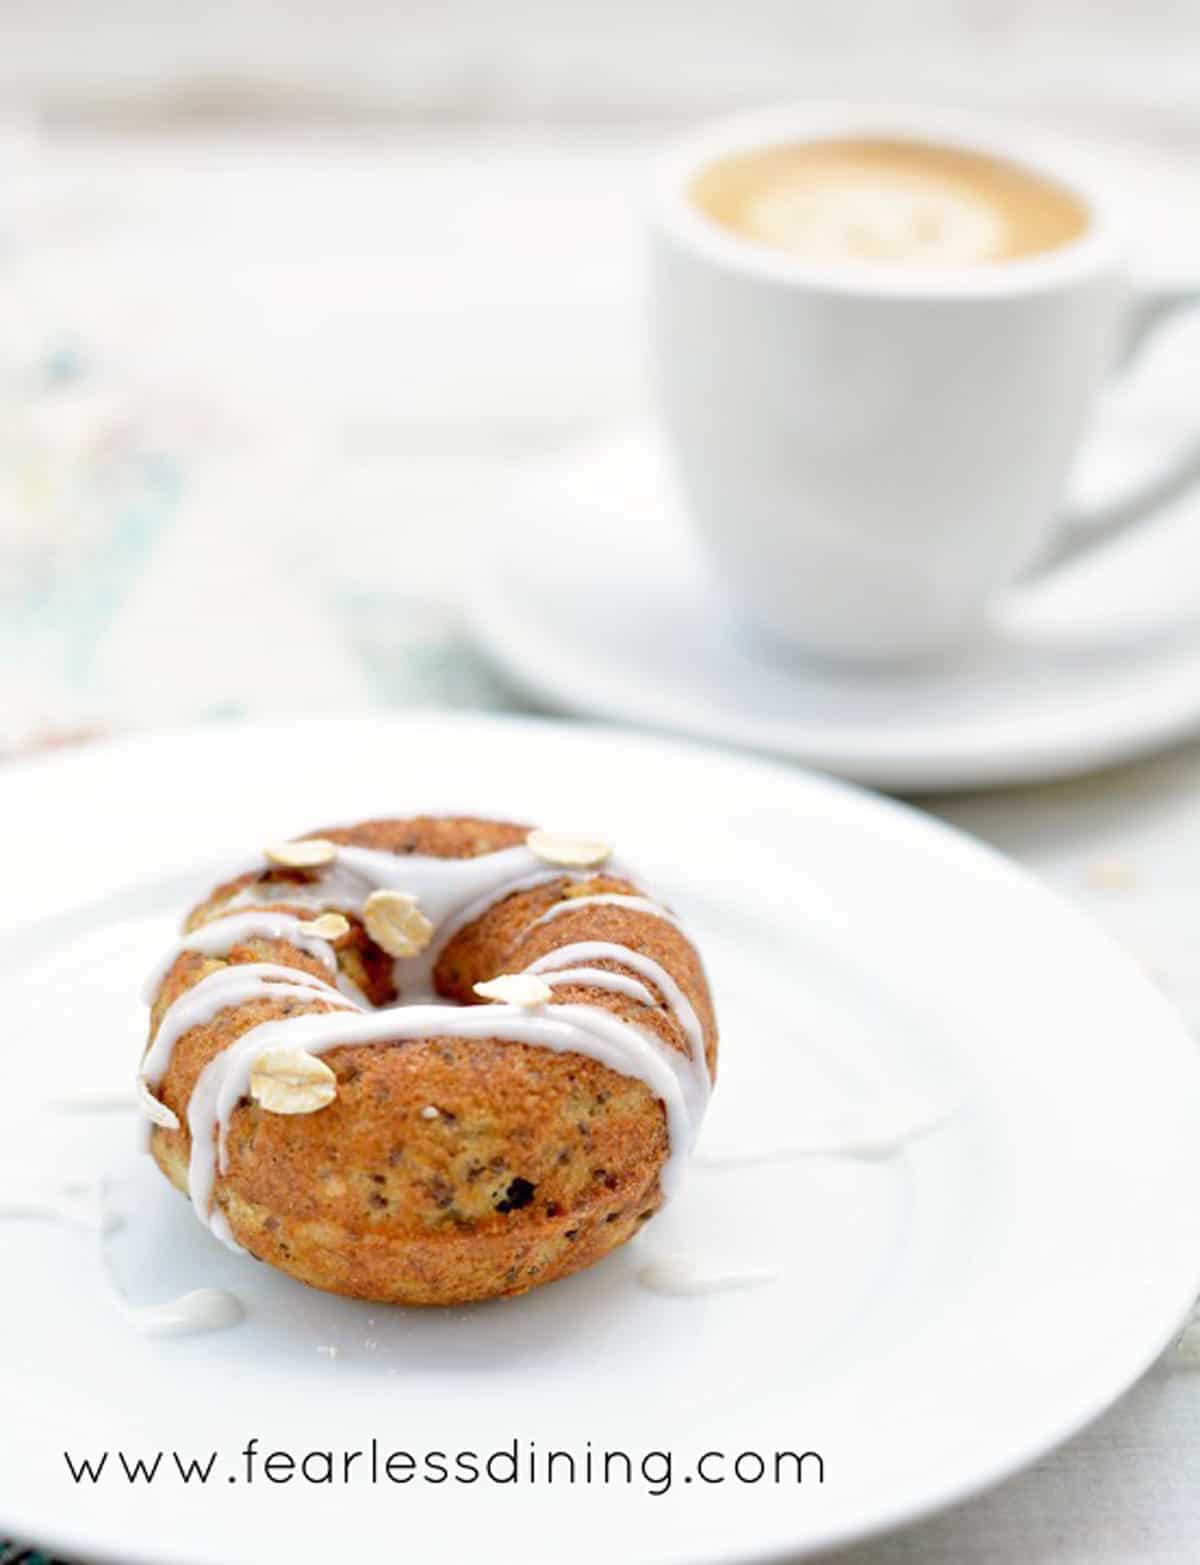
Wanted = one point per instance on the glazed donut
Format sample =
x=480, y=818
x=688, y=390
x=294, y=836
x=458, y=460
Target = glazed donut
x=428, y=1061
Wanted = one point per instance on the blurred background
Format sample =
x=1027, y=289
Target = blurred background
x=293, y=291
x=289, y=291
x=142, y=63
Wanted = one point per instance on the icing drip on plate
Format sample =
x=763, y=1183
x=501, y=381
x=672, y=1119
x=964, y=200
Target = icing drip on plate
x=689, y=1275
x=868, y=1137
x=201, y=1310
x=48, y=1198
x=82, y=1204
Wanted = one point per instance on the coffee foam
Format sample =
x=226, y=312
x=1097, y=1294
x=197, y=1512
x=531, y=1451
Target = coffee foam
x=897, y=203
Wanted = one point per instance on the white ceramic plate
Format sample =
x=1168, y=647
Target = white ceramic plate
x=596, y=601
x=939, y=1318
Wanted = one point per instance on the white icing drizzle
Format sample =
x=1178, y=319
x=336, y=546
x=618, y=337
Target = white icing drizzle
x=608, y=899
x=317, y=896
x=601, y=978
x=226, y=987
x=584, y=951
x=689, y=1275
x=219, y=1224
x=220, y=936
x=574, y=1029
x=452, y=893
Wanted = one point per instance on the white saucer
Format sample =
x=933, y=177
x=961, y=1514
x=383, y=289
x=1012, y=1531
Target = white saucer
x=939, y=1319
x=596, y=601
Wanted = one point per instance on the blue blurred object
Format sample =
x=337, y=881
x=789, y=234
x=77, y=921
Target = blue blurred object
x=84, y=493
x=53, y=613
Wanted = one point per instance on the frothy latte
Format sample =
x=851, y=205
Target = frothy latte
x=895, y=203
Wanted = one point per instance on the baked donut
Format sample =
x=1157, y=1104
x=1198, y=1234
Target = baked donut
x=428, y=1061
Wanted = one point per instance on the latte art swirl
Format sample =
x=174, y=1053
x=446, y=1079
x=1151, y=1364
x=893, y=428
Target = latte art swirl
x=879, y=218
x=888, y=203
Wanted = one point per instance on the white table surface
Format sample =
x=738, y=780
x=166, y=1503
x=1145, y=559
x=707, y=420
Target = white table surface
x=349, y=344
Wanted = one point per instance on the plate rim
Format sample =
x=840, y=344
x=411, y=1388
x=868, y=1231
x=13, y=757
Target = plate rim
x=1122, y=1369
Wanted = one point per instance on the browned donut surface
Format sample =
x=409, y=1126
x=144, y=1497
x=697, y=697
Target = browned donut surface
x=446, y=1169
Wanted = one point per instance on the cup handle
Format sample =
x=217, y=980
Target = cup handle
x=1086, y=530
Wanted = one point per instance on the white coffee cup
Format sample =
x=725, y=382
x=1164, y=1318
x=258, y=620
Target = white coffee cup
x=873, y=454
